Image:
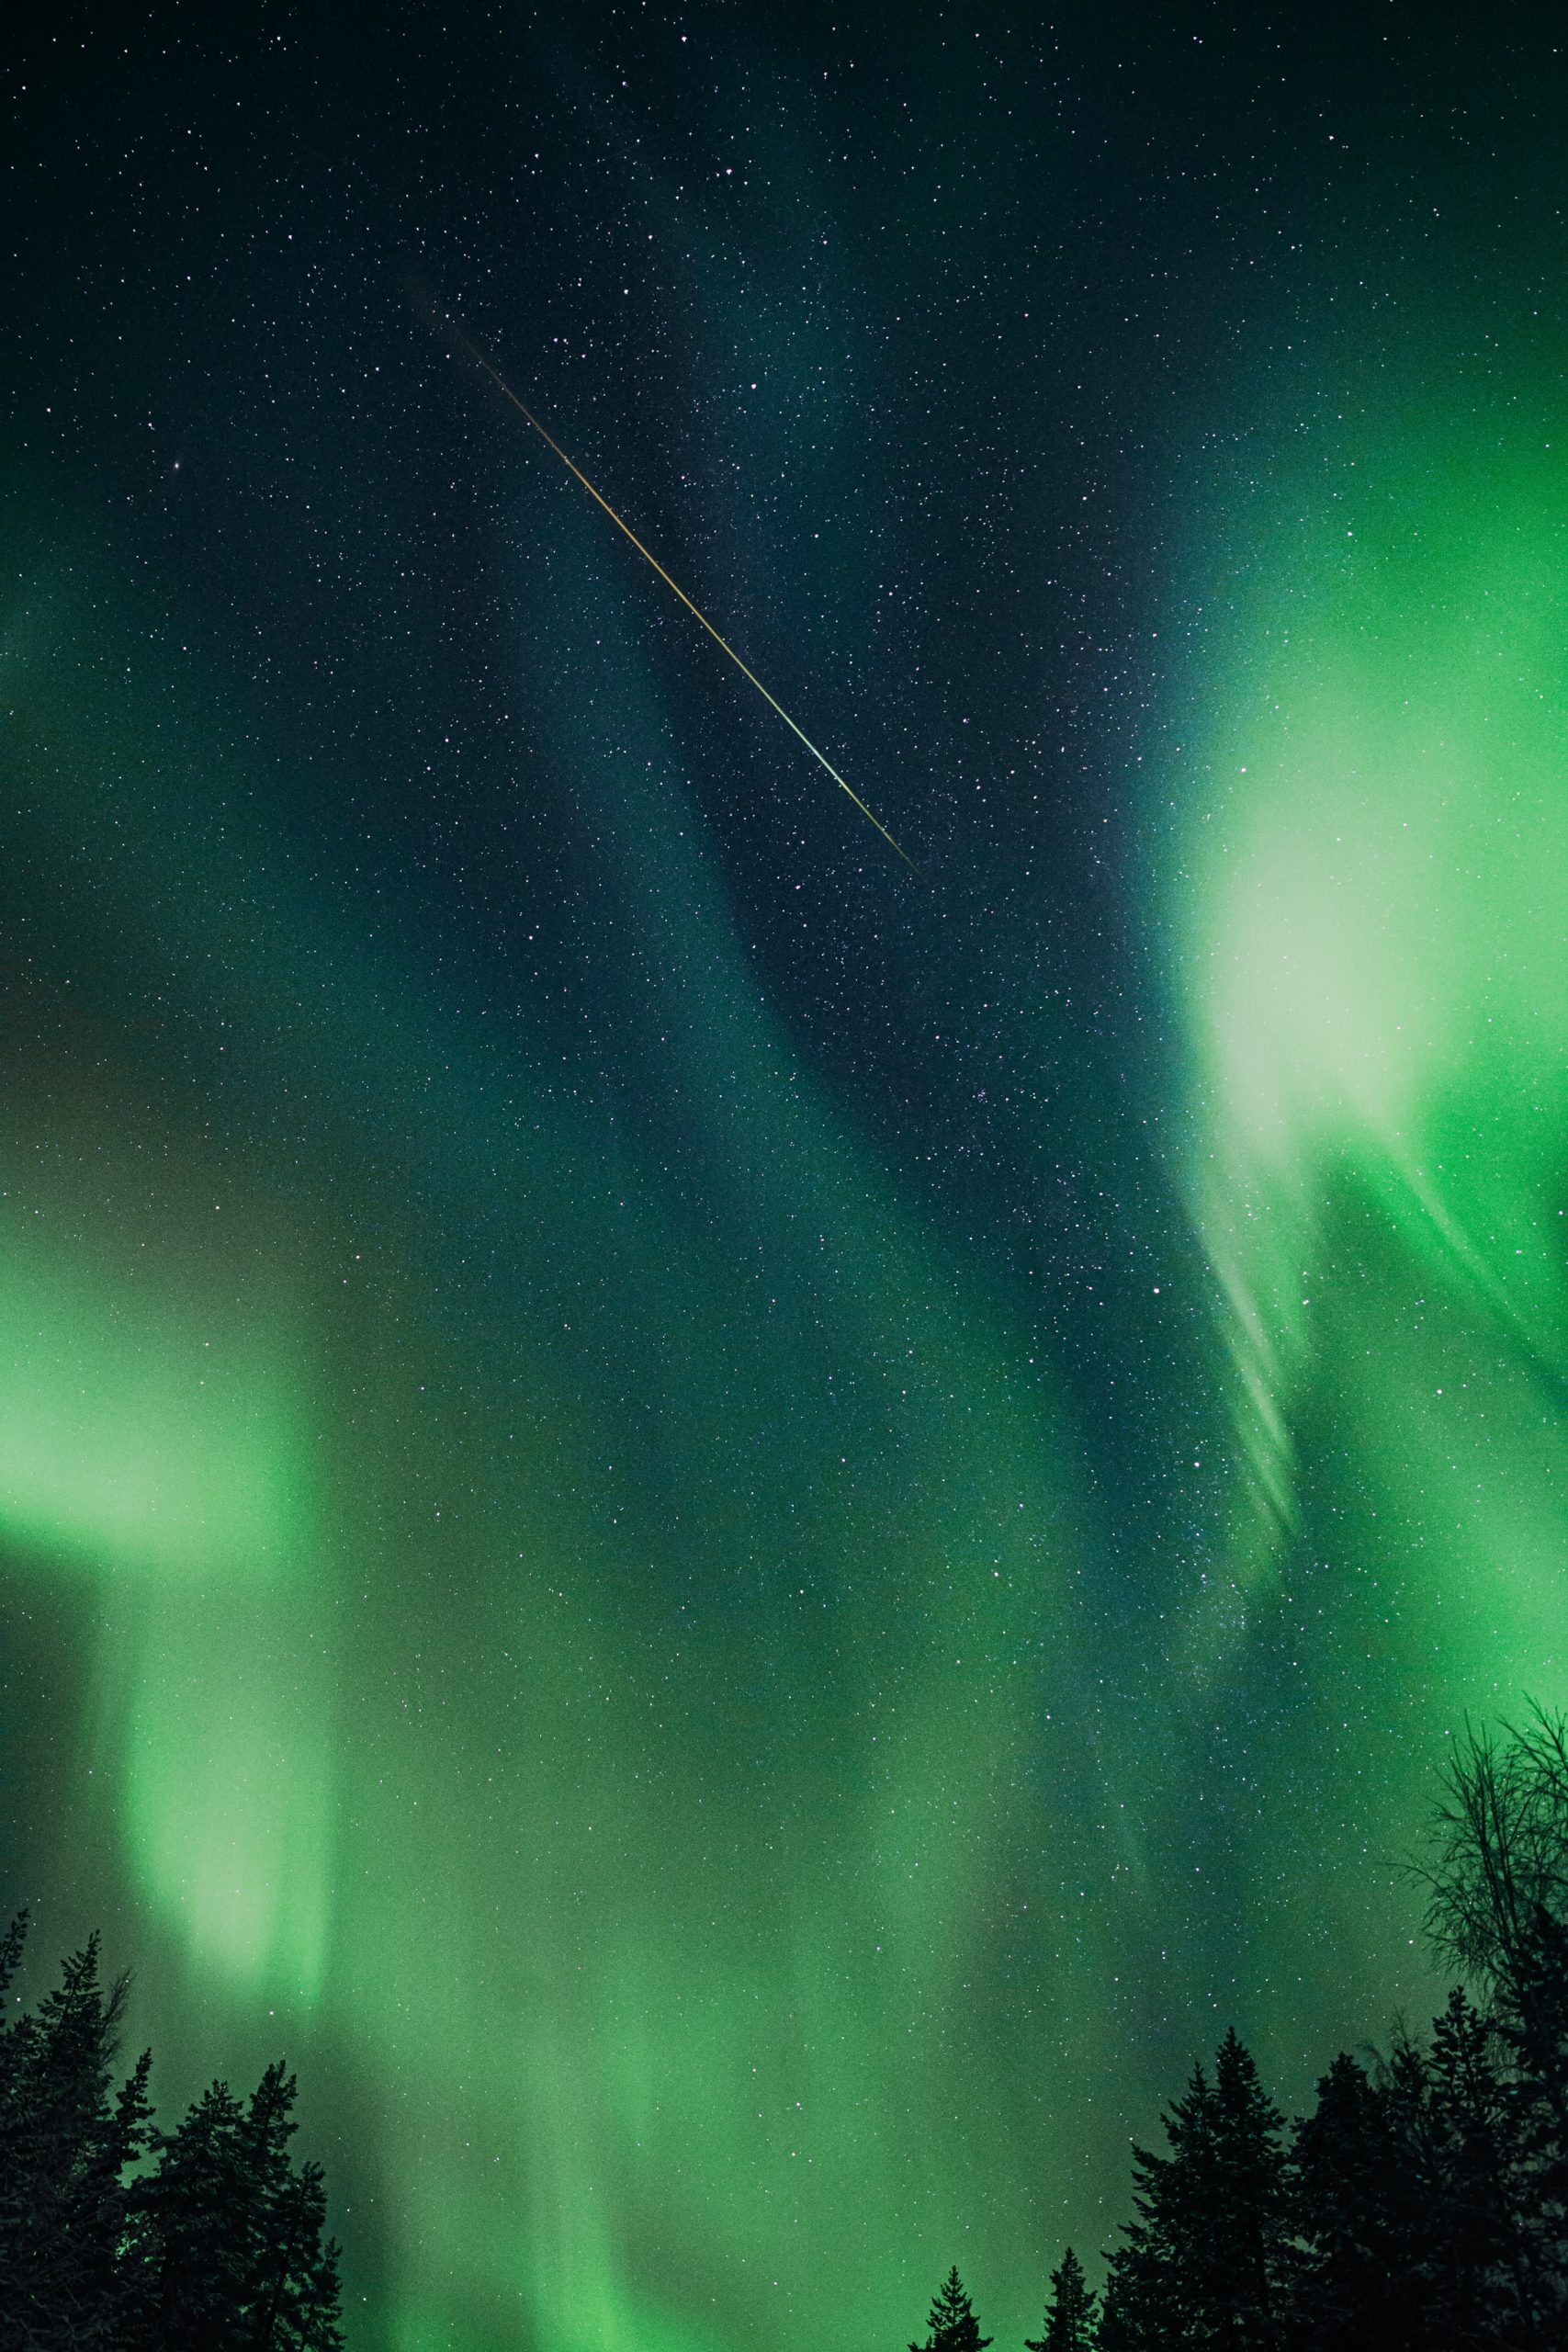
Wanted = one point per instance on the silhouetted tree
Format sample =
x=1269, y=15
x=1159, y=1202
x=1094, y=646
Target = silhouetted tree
x=1207, y=2262
x=1478, y=2262
x=1425, y=2204
x=1130, y=2310
x=66, y=2141
x=219, y=2244
x=1496, y=1877
x=1496, y=1848
x=295, y=2279
x=952, y=2326
x=233, y=2235
x=1069, y=2314
x=1357, y=2280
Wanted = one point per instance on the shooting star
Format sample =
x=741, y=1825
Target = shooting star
x=822, y=760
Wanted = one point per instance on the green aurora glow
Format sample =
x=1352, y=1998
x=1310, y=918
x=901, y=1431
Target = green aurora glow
x=642, y=1694
x=851, y=1828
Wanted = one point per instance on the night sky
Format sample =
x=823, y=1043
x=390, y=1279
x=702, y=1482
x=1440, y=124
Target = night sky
x=741, y=1541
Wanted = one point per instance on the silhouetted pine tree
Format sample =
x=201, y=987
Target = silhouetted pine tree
x=233, y=2235
x=219, y=2247
x=298, y=2311
x=1359, y=2280
x=1478, y=2260
x=1069, y=2314
x=1129, y=2309
x=194, y=2211
x=953, y=2324
x=14, y=2171
x=1142, y=2310
x=294, y=2284
x=1207, y=2263
x=66, y=2141
x=1529, y=2019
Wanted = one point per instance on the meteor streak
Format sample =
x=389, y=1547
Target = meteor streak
x=498, y=379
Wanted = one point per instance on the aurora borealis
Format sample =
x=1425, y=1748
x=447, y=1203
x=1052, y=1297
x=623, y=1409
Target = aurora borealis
x=744, y=1544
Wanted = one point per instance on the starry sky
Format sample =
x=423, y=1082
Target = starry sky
x=743, y=1542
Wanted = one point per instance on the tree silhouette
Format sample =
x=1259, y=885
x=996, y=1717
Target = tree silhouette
x=1070, y=2315
x=67, y=2141
x=1479, y=2261
x=1207, y=2262
x=952, y=2326
x=1422, y=2206
x=233, y=2235
x=219, y=2244
x=1496, y=1878
x=1355, y=2216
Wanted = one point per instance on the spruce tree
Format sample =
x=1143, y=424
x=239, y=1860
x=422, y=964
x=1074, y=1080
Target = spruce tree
x=1359, y=2280
x=1069, y=2314
x=66, y=2143
x=1249, y=2204
x=221, y=2243
x=194, y=2211
x=1143, y=2308
x=1479, y=2263
x=952, y=2326
x=1531, y=2025
x=294, y=2293
x=1207, y=2262
x=298, y=2309
x=234, y=2233
x=14, y=2185
x=1130, y=2310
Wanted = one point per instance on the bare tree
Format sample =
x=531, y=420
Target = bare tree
x=1496, y=1866
x=1495, y=1870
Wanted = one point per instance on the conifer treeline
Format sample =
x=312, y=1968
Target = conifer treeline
x=116, y=2236
x=1422, y=2206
